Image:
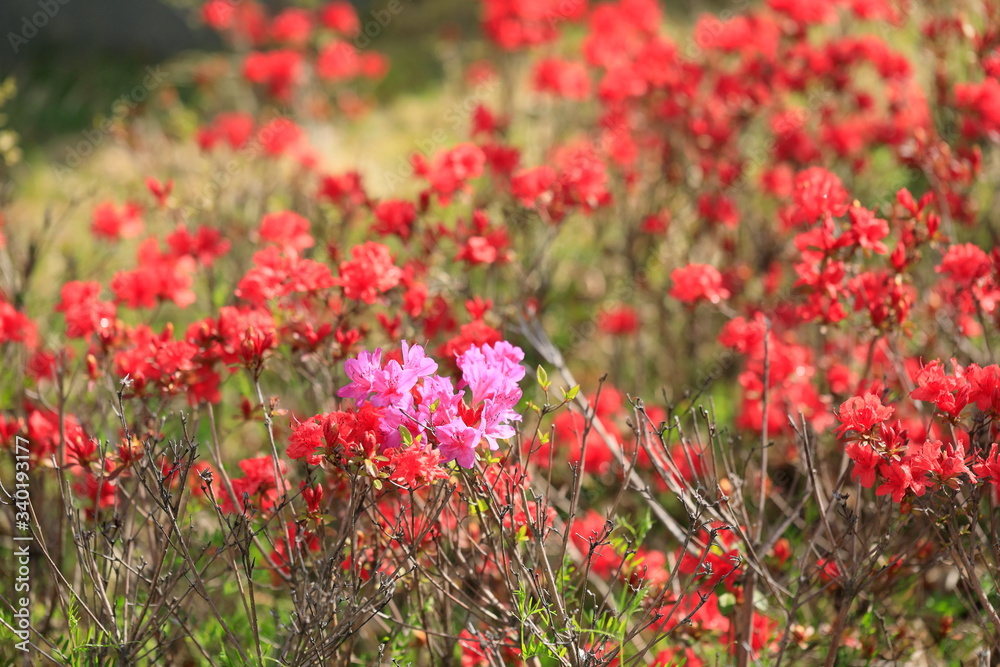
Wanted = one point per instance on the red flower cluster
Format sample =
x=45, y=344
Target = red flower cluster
x=695, y=282
x=516, y=24
x=885, y=452
x=114, y=224
x=368, y=273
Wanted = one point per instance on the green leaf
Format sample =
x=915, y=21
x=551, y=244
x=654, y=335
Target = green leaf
x=407, y=436
x=571, y=394
x=543, y=378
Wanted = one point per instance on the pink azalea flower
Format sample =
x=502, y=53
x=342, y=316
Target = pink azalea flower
x=362, y=373
x=457, y=442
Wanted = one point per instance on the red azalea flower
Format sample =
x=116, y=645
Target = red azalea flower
x=113, y=223
x=395, y=217
x=695, y=282
x=279, y=70
x=292, y=27
x=84, y=312
x=861, y=414
x=369, y=272
x=288, y=229
x=340, y=17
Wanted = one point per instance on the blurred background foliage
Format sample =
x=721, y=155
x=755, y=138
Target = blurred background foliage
x=90, y=51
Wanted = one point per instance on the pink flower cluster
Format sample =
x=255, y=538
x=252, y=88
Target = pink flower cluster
x=410, y=394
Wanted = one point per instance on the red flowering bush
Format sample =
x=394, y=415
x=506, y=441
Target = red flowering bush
x=272, y=407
